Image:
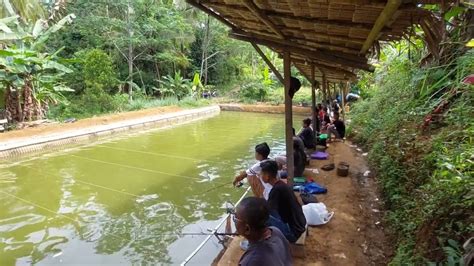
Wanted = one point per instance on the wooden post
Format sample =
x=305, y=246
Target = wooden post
x=343, y=96
x=288, y=118
x=269, y=63
x=325, y=88
x=384, y=17
x=313, y=101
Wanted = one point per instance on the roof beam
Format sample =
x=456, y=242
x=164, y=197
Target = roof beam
x=346, y=56
x=208, y=11
x=262, y=17
x=302, y=72
x=384, y=17
x=321, y=21
x=269, y=63
x=326, y=68
x=339, y=58
x=269, y=13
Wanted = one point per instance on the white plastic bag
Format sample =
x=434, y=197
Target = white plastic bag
x=317, y=214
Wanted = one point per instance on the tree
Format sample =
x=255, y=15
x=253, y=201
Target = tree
x=177, y=84
x=30, y=79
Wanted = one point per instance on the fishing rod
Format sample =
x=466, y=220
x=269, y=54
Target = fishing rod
x=199, y=234
x=220, y=186
x=215, y=230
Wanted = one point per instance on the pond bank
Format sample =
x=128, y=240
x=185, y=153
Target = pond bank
x=262, y=108
x=52, y=136
x=39, y=139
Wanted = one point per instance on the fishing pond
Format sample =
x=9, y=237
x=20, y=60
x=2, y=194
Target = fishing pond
x=141, y=198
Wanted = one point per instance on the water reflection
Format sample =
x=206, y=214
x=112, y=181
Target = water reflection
x=128, y=201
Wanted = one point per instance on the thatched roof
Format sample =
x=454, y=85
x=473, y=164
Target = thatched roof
x=335, y=35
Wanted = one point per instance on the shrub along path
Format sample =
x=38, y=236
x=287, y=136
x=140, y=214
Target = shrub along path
x=356, y=234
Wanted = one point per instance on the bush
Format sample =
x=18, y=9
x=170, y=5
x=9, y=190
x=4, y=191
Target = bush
x=99, y=70
x=254, y=91
x=425, y=169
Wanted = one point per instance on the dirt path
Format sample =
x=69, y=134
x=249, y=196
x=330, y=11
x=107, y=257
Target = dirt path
x=45, y=129
x=355, y=235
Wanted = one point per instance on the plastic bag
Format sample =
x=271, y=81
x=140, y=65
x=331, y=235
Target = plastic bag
x=317, y=214
x=314, y=188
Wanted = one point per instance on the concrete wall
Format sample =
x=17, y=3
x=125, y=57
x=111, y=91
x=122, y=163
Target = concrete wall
x=271, y=109
x=12, y=149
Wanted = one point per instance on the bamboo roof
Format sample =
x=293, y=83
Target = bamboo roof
x=337, y=36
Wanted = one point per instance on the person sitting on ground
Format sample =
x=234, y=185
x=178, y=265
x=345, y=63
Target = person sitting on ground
x=338, y=128
x=253, y=174
x=299, y=159
x=307, y=135
x=286, y=212
x=297, y=139
x=267, y=245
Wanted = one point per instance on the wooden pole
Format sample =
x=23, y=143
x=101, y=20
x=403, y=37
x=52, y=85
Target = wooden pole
x=344, y=93
x=288, y=118
x=316, y=55
x=384, y=17
x=262, y=17
x=325, y=88
x=313, y=101
x=269, y=63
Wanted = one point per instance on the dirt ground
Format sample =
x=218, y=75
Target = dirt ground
x=49, y=128
x=355, y=235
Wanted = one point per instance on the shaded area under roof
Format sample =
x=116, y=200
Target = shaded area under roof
x=334, y=35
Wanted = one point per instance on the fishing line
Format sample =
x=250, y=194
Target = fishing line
x=53, y=212
x=216, y=187
x=136, y=168
x=87, y=183
x=164, y=155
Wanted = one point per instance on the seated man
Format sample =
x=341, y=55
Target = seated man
x=307, y=135
x=267, y=245
x=337, y=128
x=299, y=159
x=298, y=140
x=285, y=211
x=259, y=188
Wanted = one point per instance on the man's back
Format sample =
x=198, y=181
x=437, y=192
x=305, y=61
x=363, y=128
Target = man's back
x=274, y=250
x=340, y=127
x=283, y=200
x=307, y=136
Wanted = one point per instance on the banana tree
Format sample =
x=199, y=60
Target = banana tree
x=29, y=78
x=179, y=85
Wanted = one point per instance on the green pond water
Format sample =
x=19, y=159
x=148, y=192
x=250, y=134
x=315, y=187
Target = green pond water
x=130, y=200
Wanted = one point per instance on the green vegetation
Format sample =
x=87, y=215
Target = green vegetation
x=109, y=56
x=418, y=126
x=84, y=58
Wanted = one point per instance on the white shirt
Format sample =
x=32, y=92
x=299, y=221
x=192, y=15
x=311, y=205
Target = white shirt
x=256, y=170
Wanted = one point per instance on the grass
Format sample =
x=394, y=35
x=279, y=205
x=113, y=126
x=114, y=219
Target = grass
x=425, y=169
x=78, y=109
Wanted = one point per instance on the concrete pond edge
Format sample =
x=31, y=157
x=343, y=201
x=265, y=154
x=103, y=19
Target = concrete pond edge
x=51, y=142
